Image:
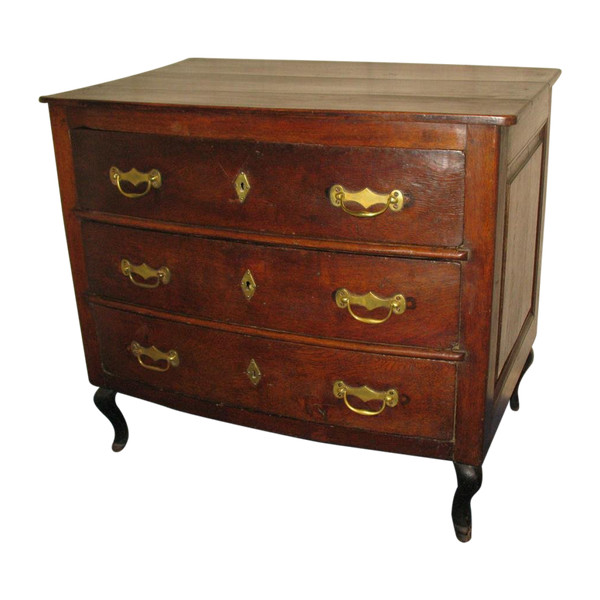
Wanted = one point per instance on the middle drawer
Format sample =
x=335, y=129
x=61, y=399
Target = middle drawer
x=308, y=292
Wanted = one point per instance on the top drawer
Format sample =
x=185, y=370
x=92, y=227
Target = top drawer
x=288, y=189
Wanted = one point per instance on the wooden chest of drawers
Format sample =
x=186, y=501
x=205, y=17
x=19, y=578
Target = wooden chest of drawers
x=346, y=252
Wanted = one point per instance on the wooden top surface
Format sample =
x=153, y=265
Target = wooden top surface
x=451, y=93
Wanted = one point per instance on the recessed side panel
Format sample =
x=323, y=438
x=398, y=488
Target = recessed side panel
x=521, y=233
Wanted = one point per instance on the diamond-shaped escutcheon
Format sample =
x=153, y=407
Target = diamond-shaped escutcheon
x=248, y=285
x=242, y=186
x=253, y=372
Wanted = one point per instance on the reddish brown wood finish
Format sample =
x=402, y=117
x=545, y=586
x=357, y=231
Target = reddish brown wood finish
x=481, y=189
x=297, y=380
x=453, y=355
x=310, y=430
x=289, y=186
x=347, y=246
x=295, y=288
x=467, y=145
x=66, y=180
x=280, y=126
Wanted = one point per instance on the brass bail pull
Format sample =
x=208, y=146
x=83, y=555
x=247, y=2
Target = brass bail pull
x=171, y=357
x=396, y=304
x=366, y=394
x=152, y=179
x=366, y=199
x=161, y=275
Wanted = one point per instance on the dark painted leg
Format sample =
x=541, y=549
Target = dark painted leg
x=105, y=401
x=514, y=399
x=469, y=481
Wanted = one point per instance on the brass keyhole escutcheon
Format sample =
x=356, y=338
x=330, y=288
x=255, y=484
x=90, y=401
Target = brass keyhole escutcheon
x=242, y=186
x=248, y=285
x=253, y=372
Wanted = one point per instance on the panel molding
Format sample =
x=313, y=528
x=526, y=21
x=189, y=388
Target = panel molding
x=520, y=251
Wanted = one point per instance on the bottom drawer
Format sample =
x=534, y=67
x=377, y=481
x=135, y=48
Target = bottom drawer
x=412, y=397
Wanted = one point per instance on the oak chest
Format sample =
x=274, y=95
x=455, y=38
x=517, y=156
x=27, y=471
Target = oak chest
x=344, y=252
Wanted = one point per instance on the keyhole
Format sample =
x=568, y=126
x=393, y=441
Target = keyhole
x=242, y=186
x=248, y=285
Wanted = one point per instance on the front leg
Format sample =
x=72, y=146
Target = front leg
x=514, y=399
x=469, y=481
x=104, y=399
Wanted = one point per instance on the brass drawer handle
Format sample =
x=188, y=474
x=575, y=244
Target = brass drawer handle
x=152, y=179
x=345, y=299
x=153, y=353
x=339, y=196
x=161, y=275
x=366, y=394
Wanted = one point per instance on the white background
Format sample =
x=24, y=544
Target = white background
x=194, y=508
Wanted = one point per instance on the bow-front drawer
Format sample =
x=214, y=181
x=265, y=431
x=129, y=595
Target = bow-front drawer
x=379, y=195
x=314, y=293
x=375, y=392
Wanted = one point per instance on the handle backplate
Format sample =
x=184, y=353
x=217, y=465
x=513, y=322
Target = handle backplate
x=396, y=304
x=160, y=275
x=171, y=357
x=152, y=179
x=366, y=394
x=366, y=199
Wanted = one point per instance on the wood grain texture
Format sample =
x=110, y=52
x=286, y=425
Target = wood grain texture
x=481, y=203
x=297, y=380
x=467, y=146
x=295, y=288
x=66, y=180
x=531, y=121
x=453, y=355
x=502, y=187
x=273, y=239
x=521, y=231
x=289, y=186
x=491, y=95
x=335, y=70
x=502, y=387
x=452, y=138
x=310, y=430
x=282, y=126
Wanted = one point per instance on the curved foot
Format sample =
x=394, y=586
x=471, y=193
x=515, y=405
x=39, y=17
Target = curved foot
x=105, y=401
x=469, y=481
x=514, y=399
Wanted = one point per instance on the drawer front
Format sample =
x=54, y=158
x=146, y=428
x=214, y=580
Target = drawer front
x=295, y=380
x=289, y=289
x=288, y=186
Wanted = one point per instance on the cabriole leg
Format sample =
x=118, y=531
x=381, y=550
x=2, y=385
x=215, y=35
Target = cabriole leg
x=514, y=399
x=104, y=399
x=469, y=481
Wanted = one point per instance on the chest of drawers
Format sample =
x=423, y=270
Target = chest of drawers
x=344, y=252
